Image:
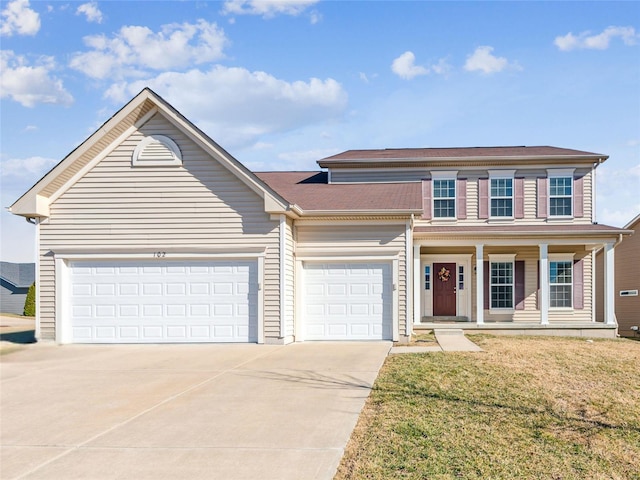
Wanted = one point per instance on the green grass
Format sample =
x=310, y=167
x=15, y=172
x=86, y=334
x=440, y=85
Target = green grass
x=530, y=408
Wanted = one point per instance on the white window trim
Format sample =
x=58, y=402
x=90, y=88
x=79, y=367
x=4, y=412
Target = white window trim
x=559, y=173
x=561, y=257
x=499, y=175
x=448, y=175
x=503, y=258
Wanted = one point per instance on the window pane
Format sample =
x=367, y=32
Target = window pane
x=560, y=272
x=444, y=208
x=560, y=206
x=444, y=189
x=501, y=187
x=560, y=296
x=501, y=207
x=560, y=186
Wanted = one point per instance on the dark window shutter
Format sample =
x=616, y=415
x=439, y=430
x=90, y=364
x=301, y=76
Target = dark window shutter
x=542, y=197
x=483, y=198
x=487, y=287
x=426, y=199
x=578, y=197
x=462, y=198
x=519, y=285
x=578, y=284
x=519, y=198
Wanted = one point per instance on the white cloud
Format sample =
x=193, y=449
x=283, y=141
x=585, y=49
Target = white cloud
x=91, y=11
x=442, y=67
x=598, y=41
x=269, y=9
x=30, y=128
x=136, y=49
x=18, y=18
x=237, y=106
x=404, y=66
x=484, y=61
x=30, y=84
x=32, y=167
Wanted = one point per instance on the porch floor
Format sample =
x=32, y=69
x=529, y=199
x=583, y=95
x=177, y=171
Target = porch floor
x=591, y=329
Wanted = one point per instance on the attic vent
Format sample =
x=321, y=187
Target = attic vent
x=156, y=151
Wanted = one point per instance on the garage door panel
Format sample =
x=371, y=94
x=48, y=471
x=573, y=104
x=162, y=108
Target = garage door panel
x=347, y=301
x=169, y=301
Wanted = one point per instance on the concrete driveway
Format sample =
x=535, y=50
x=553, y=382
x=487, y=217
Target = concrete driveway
x=182, y=411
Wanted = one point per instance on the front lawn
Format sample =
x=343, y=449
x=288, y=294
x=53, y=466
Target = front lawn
x=528, y=407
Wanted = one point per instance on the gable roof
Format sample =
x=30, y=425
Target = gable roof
x=35, y=202
x=633, y=222
x=20, y=275
x=466, y=154
x=311, y=192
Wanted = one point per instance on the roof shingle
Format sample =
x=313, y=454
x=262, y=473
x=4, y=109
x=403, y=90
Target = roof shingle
x=310, y=191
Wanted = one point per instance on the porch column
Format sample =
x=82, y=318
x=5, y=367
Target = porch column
x=609, y=287
x=543, y=301
x=417, y=285
x=480, y=284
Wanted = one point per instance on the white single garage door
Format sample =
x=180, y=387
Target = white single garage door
x=163, y=301
x=351, y=301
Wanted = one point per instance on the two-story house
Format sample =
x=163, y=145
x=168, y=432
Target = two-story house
x=151, y=232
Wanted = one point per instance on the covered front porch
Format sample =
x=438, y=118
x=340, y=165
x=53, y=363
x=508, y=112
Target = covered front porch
x=512, y=279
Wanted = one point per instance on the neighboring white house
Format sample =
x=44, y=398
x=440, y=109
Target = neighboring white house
x=15, y=280
x=150, y=232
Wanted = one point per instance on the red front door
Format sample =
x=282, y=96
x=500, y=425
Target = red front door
x=444, y=289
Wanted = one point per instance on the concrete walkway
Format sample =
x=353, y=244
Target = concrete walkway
x=448, y=341
x=182, y=411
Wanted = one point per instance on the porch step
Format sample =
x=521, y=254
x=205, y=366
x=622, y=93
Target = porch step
x=444, y=319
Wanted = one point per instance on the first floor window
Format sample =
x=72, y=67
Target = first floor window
x=444, y=198
x=501, y=275
x=560, y=284
x=502, y=197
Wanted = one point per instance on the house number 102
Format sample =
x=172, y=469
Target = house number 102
x=159, y=254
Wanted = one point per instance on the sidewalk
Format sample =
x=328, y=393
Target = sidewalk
x=448, y=341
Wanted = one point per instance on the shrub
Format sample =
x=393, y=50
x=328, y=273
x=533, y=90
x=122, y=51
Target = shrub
x=30, y=302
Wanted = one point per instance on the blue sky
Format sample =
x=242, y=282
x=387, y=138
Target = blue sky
x=282, y=84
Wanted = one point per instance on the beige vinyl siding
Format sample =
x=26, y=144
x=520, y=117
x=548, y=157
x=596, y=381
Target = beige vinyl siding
x=388, y=175
x=531, y=314
x=198, y=206
x=356, y=239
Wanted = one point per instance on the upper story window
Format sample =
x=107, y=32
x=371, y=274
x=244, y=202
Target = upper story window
x=501, y=197
x=560, y=192
x=560, y=196
x=444, y=198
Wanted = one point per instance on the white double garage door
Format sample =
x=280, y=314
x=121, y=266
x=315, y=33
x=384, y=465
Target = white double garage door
x=184, y=301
